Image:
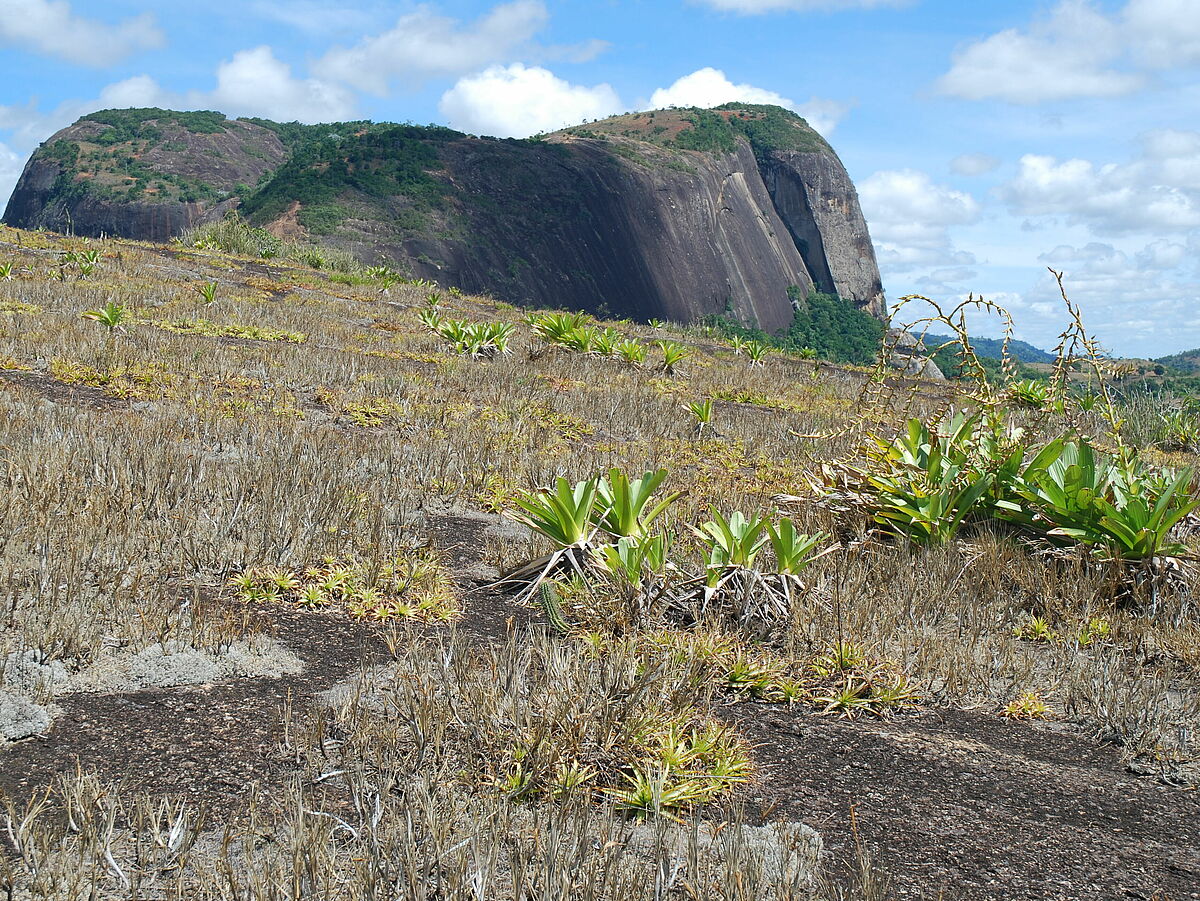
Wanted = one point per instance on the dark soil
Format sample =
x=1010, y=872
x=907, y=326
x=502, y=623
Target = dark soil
x=60, y=392
x=958, y=804
x=207, y=742
x=951, y=804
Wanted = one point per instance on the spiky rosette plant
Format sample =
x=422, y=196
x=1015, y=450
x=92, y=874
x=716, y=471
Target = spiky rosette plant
x=734, y=583
x=563, y=514
x=581, y=521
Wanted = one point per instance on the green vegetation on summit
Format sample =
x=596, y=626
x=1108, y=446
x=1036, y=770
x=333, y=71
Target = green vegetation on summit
x=377, y=163
x=718, y=130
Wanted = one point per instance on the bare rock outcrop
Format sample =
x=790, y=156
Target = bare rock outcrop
x=814, y=196
x=672, y=214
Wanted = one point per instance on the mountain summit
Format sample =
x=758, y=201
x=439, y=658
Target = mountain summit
x=675, y=214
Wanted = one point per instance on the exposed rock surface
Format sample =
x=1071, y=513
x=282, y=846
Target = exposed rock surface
x=62, y=194
x=813, y=194
x=672, y=214
x=911, y=357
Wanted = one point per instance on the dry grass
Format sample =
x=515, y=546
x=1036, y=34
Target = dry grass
x=144, y=468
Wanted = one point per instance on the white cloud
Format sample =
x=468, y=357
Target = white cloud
x=1070, y=54
x=312, y=17
x=946, y=280
x=583, y=52
x=518, y=101
x=822, y=115
x=138, y=91
x=50, y=27
x=1129, y=298
x=29, y=125
x=1173, y=157
x=910, y=216
x=1077, y=51
x=1161, y=254
x=1110, y=198
x=254, y=82
x=758, y=7
x=1098, y=258
x=423, y=44
x=710, y=87
x=1164, y=33
x=974, y=164
x=11, y=164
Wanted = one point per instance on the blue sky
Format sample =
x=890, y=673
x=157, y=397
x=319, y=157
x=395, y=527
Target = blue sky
x=988, y=140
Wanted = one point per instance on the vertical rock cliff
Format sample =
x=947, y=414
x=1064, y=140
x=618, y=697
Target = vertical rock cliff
x=814, y=196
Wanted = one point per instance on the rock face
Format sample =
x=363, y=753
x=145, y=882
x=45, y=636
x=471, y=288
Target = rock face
x=152, y=183
x=596, y=231
x=910, y=356
x=813, y=194
x=672, y=214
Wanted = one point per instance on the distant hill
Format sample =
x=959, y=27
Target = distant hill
x=993, y=348
x=675, y=214
x=1186, y=362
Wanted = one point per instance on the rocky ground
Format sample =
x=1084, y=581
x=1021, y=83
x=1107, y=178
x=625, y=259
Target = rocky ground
x=949, y=803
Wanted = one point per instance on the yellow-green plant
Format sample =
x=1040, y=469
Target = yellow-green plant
x=756, y=352
x=623, y=507
x=702, y=411
x=793, y=549
x=673, y=354
x=563, y=514
x=630, y=351
x=1028, y=705
x=112, y=315
x=1070, y=492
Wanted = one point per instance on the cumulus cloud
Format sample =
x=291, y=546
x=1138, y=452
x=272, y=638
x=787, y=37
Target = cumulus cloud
x=11, y=164
x=518, y=101
x=710, y=87
x=423, y=44
x=1163, y=33
x=758, y=7
x=255, y=82
x=946, y=280
x=974, y=164
x=910, y=217
x=312, y=17
x=1109, y=198
x=1161, y=254
x=1128, y=295
x=251, y=83
x=29, y=125
x=1067, y=55
x=1079, y=50
x=52, y=28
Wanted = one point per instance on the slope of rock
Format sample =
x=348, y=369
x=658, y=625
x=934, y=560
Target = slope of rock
x=674, y=214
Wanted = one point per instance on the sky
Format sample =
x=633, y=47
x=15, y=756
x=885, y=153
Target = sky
x=989, y=141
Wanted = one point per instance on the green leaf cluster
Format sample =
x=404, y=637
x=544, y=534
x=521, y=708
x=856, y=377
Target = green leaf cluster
x=145, y=124
x=927, y=483
x=834, y=328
